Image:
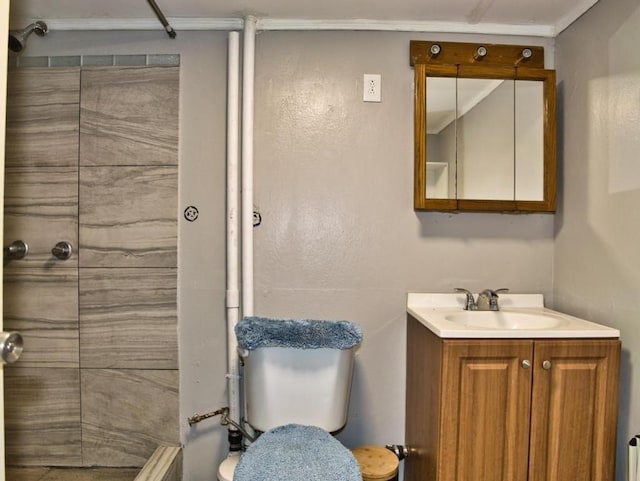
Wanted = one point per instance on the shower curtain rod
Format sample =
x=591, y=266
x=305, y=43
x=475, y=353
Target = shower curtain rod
x=162, y=18
x=275, y=24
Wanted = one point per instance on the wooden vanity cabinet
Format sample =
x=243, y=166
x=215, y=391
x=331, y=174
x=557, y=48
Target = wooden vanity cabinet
x=510, y=409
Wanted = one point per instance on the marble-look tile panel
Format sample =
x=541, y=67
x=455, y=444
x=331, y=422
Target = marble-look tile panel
x=43, y=108
x=42, y=304
x=126, y=414
x=128, y=318
x=128, y=216
x=42, y=416
x=41, y=209
x=129, y=116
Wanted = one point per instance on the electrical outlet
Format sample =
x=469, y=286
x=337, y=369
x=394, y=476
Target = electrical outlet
x=372, y=87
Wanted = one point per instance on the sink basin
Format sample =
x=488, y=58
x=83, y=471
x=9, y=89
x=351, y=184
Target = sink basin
x=506, y=320
x=521, y=316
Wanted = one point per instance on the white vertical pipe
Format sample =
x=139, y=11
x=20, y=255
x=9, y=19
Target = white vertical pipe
x=233, y=224
x=248, y=69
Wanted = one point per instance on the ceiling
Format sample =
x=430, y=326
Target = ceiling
x=526, y=17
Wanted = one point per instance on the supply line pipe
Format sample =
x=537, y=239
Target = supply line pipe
x=224, y=420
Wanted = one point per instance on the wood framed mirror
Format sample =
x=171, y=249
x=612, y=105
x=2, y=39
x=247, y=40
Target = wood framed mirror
x=485, y=128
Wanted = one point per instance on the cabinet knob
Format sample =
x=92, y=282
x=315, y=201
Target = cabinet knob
x=526, y=364
x=546, y=365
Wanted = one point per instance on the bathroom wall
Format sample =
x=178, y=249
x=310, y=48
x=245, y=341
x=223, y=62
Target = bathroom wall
x=596, y=258
x=339, y=237
x=333, y=182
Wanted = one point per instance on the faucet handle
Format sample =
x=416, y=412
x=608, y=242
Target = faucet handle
x=488, y=299
x=494, y=292
x=470, y=304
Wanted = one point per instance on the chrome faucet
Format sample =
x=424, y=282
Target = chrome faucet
x=488, y=299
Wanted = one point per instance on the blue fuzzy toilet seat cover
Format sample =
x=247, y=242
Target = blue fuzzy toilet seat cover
x=297, y=453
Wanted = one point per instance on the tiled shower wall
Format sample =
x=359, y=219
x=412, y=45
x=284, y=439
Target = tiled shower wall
x=92, y=158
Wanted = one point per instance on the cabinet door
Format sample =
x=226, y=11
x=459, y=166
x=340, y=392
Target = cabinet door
x=485, y=411
x=574, y=410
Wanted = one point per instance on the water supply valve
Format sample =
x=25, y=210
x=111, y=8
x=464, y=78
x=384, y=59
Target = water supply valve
x=399, y=450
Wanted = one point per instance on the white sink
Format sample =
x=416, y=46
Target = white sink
x=507, y=319
x=520, y=316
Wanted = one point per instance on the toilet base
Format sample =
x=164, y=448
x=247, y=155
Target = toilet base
x=228, y=466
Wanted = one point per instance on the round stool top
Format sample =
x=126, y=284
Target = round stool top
x=376, y=462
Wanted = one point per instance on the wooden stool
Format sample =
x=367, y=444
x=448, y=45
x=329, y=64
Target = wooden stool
x=376, y=463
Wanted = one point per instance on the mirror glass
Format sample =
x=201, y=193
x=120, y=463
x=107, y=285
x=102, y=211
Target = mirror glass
x=441, y=137
x=529, y=134
x=485, y=139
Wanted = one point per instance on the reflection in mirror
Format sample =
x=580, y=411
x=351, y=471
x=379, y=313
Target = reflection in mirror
x=474, y=127
x=485, y=139
x=441, y=138
x=529, y=149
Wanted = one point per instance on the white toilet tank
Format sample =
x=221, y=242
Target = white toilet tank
x=297, y=371
x=303, y=386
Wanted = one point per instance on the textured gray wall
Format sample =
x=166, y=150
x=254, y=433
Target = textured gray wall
x=597, y=265
x=333, y=182
x=339, y=237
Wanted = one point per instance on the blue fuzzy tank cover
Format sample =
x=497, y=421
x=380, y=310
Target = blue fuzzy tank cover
x=255, y=332
x=297, y=453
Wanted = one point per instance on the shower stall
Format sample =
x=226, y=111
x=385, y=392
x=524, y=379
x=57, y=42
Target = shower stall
x=91, y=178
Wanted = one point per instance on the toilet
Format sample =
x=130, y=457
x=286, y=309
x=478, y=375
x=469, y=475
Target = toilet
x=297, y=383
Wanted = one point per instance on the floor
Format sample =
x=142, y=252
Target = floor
x=71, y=474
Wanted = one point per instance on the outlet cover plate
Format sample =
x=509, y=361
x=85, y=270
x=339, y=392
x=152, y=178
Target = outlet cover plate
x=372, y=88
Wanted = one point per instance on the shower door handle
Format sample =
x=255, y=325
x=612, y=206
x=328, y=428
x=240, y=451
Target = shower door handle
x=62, y=250
x=16, y=250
